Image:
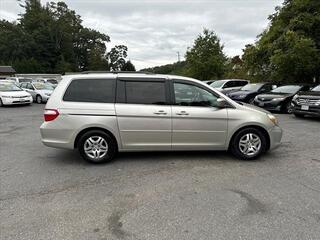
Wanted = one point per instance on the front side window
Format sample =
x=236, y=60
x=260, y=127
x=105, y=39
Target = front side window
x=190, y=95
x=144, y=92
x=240, y=83
x=91, y=90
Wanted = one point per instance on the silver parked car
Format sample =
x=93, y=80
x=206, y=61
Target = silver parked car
x=229, y=85
x=39, y=91
x=101, y=114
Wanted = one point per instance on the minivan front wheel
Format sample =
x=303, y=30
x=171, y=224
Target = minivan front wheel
x=97, y=146
x=248, y=144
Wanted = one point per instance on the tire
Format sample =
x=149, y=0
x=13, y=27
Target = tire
x=38, y=99
x=1, y=103
x=288, y=108
x=103, y=146
x=299, y=115
x=257, y=141
x=251, y=100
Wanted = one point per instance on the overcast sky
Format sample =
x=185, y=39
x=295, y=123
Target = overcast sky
x=155, y=30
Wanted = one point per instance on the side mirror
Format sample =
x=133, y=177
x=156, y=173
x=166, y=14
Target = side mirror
x=222, y=103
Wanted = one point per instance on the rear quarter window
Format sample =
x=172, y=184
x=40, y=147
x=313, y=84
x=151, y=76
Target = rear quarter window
x=91, y=90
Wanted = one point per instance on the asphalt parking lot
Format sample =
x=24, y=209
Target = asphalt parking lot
x=53, y=194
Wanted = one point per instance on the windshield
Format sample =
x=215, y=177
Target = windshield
x=217, y=84
x=251, y=87
x=316, y=89
x=21, y=80
x=42, y=86
x=53, y=81
x=9, y=87
x=287, y=89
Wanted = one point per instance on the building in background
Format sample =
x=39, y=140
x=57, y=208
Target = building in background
x=6, y=71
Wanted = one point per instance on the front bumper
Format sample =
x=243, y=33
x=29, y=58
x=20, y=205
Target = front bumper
x=13, y=101
x=275, y=134
x=269, y=105
x=312, y=111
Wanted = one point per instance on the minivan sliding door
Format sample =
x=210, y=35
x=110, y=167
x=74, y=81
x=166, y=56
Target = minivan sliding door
x=143, y=113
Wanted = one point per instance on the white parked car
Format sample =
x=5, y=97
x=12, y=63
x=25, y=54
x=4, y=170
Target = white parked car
x=19, y=80
x=39, y=91
x=11, y=94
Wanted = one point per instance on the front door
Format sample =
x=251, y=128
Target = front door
x=144, y=117
x=196, y=123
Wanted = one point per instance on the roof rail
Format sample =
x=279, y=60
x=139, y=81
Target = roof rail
x=114, y=72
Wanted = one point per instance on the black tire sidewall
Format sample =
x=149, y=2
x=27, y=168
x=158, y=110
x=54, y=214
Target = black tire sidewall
x=1, y=103
x=112, y=147
x=234, y=147
x=37, y=97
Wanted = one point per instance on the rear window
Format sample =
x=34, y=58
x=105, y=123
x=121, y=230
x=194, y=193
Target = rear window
x=91, y=90
x=145, y=92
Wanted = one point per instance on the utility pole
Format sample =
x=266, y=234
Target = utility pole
x=178, y=56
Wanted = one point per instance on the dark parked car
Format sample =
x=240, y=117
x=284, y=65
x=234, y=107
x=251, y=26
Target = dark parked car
x=307, y=103
x=250, y=91
x=279, y=99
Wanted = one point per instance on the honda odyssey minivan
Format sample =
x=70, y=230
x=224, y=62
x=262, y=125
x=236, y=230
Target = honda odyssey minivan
x=101, y=114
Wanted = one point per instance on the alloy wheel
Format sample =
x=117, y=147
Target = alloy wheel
x=95, y=147
x=250, y=144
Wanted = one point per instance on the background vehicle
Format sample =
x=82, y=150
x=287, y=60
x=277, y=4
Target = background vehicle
x=11, y=94
x=229, y=85
x=250, y=91
x=19, y=80
x=40, y=92
x=149, y=112
x=53, y=82
x=279, y=99
x=307, y=103
x=209, y=81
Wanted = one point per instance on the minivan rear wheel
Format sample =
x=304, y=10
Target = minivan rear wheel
x=248, y=144
x=96, y=146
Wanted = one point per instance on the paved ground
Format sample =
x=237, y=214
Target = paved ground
x=53, y=194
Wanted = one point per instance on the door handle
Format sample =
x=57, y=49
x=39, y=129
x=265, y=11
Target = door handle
x=160, y=112
x=182, y=113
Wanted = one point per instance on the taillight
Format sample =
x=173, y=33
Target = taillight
x=50, y=114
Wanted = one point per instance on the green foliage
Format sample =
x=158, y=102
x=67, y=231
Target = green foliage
x=128, y=66
x=205, y=59
x=51, y=38
x=289, y=50
x=178, y=68
x=116, y=57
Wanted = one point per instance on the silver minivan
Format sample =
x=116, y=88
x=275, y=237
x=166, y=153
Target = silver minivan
x=101, y=114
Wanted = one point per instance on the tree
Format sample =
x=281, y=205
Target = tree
x=128, y=66
x=289, y=50
x=116, y=57
x=205, y=59
x=51, y=38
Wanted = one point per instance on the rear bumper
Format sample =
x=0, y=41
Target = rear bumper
x=275, y=134
x=56, y=137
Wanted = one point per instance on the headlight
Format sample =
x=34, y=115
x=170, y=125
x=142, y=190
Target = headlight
x=7, y=96
x=273, y=119
x=48, y=94
x=278, y=99
x=295, y=97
